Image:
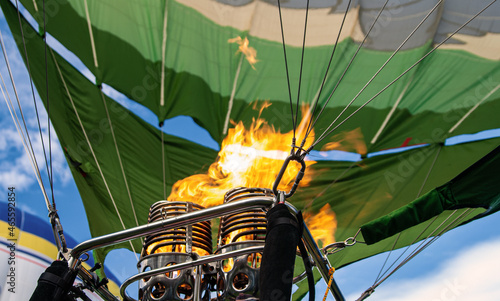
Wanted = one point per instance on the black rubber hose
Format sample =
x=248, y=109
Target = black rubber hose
x=278, y=258
x=307, y=261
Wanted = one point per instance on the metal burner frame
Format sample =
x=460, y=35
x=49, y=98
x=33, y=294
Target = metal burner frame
x=238, y=206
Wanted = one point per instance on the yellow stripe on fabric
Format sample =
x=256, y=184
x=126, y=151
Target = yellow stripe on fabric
x=30, y=241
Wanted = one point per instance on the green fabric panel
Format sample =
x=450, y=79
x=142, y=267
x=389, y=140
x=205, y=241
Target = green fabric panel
x=134, y=21
x=431, y=94
x=421, y=128
x=369, y=189
x=200, y=48
x=451, y=79
x=403, y=218
x=476, y=187
x=201, y=66
x=431, y=127
x=430, y=228
x=446, y=86
x=364, y=191
x=139, y=145
x=121, y=64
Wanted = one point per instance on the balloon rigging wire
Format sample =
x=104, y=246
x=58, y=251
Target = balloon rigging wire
x=50, y=207
x=348, y=67
x=383, y=66
x=309, y=125
x=51, y=175
x=54, y=219
x=328, y=132
x=423, y=245
x=286, y=67
x=17, y=123
x=301, y=66
x=28, y=147
x=386, y=62
x=112, y=131
x=380, y=275
x=90, y=146
x=389, y=255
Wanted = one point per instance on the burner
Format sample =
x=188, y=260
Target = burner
x=171, y=247
x=240, y=275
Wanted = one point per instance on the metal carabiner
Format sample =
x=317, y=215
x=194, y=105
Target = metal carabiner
x=300, y=175
x=337, y=246
x=351, y=241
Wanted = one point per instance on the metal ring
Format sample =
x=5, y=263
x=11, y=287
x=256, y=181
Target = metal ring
x=348, y=244
x=87, y=258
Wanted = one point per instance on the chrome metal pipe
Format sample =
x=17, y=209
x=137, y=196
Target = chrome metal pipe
x=185, y=265
x=321, y=263
x=197, y=285
x=239, y=206
x=172, y=222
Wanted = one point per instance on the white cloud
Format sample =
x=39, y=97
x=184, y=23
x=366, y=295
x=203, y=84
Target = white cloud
x=15, y=164
x=9, y=138
x=21, y=77
x=12, y=178
x=471, y=275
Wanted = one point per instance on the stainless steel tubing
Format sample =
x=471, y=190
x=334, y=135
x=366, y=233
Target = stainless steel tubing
x=173, y=222
x=185, y=265
x=321, y=262
x=239, y=206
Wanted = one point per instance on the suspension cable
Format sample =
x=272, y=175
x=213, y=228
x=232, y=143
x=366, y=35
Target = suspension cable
x=423, y=246
x=23, y=133
x=349, y=64
x=399, y=234
x=309, y=125
x=57, y=228
x=301, y=66
x=52, y=207
x=383, y=66
x=417, y=250
x=25, y=143
x=286, y=69
x=163, y=163
x=325, y=134
x=51, y=178
x=119, y=156
x=407, y=248
x=388, y=256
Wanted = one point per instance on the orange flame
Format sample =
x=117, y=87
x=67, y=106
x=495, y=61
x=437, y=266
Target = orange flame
x=253, y=158
x=248, y=158
x=322, y=224
x=249, y=52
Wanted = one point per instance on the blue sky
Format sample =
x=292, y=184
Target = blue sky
x=462, y=265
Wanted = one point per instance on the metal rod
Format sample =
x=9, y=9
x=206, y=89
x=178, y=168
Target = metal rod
x=172, y=222
x=260, y=202
x=300, y=277
x=185, y=265
x=321, y=263
x=100, y=290
x=197, y=284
